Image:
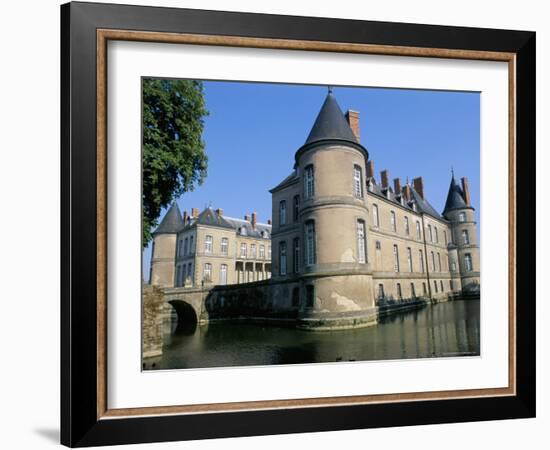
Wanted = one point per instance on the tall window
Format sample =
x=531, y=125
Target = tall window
x=421, y=260
x=462, y=217
x=224, y=246
x=395, y=258
x=282, y=258
x=208, y=244
x=451, y=285
x=441, y=285
x=180, y=247
x=207, y=275
x=296, y=256
x=296, y=208
x=465, y=237
x=185, y=246
x=418, y=230
x=424, y=291
x=468, y=262
x=430, y=233
x=357, y=181
x=407, y=228
x=310, y=242
x=433, y=261
x=435, y=286
x=392, y=221
x=436, y=235
x=453, y=266
x=190, y=271
x=381, y=291
x=253, y=251
x=282, y=212
x=310, y=295
x=375, y=219
x=399, y=291
x=409, y=259
x=243, y=250
x=309, y=181
x=439, y=261
x=262, y=251
x=445, y=236
x=269, y=252
x=191, y=248
x=413, y=292
x=223, y=274
x=361, y=243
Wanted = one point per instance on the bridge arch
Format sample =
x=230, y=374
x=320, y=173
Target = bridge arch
x=187, y=316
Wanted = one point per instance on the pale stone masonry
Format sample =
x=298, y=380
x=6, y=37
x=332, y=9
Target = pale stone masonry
x=343, y=241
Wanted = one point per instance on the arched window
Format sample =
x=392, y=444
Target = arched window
x=407, y=229
x=282, y=258
x=436, y=235
x=361, y=242
x=430, y=233
x=309, y=181
x=282, y=212
x=435, y=286
x=310, y=242
x=357, y=181
x=395, y=258
x=409, y=259
x=439, y=261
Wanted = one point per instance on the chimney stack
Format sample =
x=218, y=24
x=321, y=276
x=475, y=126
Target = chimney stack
x=269, y=221
x=419, y=186
x=353, y=120
x=370, y=168
x=384, y=179
x=195, y=212
x=466, y=190
x=185, y=217
x=406, y=192
x=253, y=220
x=247, y=217
x=219, y=212
x=397, y=186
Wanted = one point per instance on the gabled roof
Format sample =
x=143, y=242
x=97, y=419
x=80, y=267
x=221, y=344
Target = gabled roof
x=455, y=198
x=172, y=221
x=424, y=206
x=209, y=217
x=330, y=124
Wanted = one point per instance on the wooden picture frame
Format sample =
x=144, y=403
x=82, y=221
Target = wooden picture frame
x=85, y=416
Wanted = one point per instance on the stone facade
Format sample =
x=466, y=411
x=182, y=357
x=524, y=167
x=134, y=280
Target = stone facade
x=343, y=242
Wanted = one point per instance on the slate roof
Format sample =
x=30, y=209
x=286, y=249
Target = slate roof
x=172, y=221
x=287, y=181
x=330, y=123
x=455, y=198
x=423, y=206
x=257, y=233
x=209, y=217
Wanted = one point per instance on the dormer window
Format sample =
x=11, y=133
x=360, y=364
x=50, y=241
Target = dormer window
x=243, y=231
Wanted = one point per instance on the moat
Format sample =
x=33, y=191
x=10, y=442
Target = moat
x=447, y=329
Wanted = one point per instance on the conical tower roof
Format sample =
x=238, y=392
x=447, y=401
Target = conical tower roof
x=172, y=221
x=455, y=198
x=330, y=124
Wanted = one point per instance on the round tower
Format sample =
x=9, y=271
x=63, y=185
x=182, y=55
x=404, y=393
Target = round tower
x=163, y=254
x=460, y=213
x=336, y=276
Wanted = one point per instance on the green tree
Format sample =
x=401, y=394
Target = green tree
x=174, y=160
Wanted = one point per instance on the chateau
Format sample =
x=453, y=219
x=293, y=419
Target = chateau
x=342, y=243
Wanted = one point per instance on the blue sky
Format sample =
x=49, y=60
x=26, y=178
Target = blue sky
x=254, y=129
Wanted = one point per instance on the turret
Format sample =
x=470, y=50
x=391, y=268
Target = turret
x=163, y=254
x=460, y=213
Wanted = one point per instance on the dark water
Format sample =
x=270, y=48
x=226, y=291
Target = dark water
x=446, y=329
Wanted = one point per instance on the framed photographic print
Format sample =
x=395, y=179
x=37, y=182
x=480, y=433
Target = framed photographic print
x=277, y=224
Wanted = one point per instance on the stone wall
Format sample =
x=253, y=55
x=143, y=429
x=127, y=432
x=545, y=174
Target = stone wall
x=152, y=321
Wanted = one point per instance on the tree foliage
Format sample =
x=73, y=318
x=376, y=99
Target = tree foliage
x=174, y=160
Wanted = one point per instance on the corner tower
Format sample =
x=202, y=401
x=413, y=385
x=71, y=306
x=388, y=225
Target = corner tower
x=163, y=255
x=320, y=225
x=460, y=213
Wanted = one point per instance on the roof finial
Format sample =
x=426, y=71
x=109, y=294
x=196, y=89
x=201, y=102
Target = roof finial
x=329, y=89
x=452, y=172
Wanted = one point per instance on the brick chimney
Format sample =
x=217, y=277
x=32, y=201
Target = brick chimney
x=195, y=212
x=247, y=217
x=219, y=212
x=466, y=190
x=269, y=221
x=419, y=186
x=370, y=168
x=353, y=120
x=384, y=179
x=185, y=217
x=253, y=220
x=397, y=186
x=406, y=192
